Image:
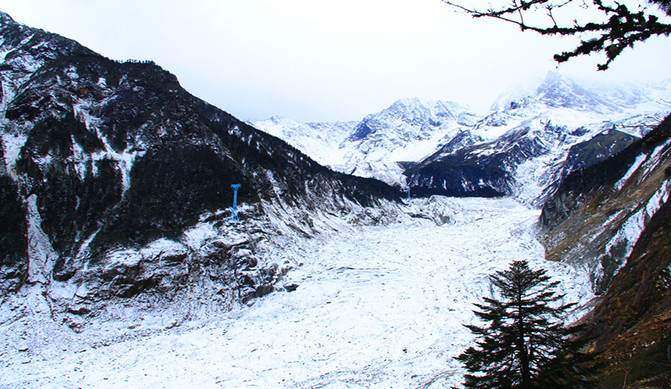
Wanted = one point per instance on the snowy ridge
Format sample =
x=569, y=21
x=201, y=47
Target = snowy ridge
x=407, y=130
x=323, y=140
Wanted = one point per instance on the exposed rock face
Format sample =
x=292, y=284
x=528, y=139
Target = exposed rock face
x=601, y=147
x=107, y=164
x=13, y=243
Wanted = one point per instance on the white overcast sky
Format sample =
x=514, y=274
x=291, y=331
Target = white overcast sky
x=317, y=60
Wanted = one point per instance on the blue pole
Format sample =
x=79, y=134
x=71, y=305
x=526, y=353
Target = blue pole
x=234, y=212
x=408, y=195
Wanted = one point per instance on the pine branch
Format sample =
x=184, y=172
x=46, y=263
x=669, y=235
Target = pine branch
x=621, y=29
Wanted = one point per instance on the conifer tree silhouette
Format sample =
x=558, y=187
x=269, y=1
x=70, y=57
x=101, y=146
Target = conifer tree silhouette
x=524, y=341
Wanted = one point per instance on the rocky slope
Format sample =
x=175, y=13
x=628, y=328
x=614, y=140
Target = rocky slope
x=611, y=219
x=109, y=168
x=597, y=213
x=632, y=321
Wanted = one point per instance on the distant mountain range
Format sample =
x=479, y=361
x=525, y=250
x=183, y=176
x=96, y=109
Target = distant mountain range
x=436, y=147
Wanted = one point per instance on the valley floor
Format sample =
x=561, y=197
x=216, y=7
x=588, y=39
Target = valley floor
x=376, y=306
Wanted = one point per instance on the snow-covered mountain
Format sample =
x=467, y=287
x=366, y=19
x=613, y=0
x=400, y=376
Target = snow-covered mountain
x=407, y=130
x=558, y=91
x=526, y=140
x=322, y=141
x=519, y=148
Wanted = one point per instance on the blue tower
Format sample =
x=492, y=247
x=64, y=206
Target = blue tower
x=234, y=211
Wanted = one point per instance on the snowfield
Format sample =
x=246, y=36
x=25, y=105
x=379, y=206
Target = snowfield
x=375, y=306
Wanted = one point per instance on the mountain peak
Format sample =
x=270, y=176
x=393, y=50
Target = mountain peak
x=416, y=103
x=5, y=18
x=415, y=112
x=560, y=91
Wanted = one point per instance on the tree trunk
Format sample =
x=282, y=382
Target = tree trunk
x=521, y=344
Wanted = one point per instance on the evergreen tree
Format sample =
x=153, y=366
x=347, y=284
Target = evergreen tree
x=524, y=342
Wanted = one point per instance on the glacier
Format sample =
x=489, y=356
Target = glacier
x=369, y=306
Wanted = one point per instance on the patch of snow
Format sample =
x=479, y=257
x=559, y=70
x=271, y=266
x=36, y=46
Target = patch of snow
x=12, y=145
x=84, y=248
x=132, y=256
x=79, y=159
x=657, y=200
x=27, y=64
x=71, y=72
x=633, y=169
x=3, y=54
x=197, y=235
x=632, y=228
x=41, y=255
